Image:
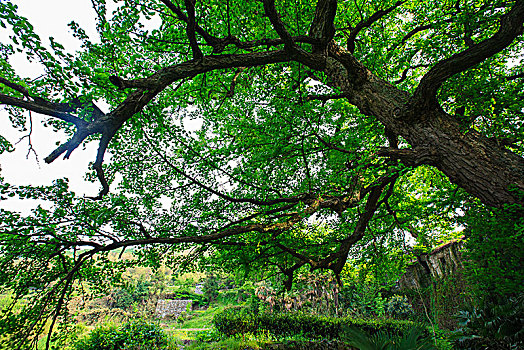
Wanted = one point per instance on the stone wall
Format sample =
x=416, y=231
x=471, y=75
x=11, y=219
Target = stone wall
x=439, y=275
x=442, y=261
x=172, y=308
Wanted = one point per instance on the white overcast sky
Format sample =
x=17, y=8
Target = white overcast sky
x=49, y=18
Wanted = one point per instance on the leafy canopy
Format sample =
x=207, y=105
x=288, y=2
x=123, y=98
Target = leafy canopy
x=243, y=135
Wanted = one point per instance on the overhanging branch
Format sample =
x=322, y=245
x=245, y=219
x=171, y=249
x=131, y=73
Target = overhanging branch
x=55, y=110
x=367, y=23
x=278, y=25
x=323, y=27
x=511, y=26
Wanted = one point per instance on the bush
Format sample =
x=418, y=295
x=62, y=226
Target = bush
x=495, y=251
x=211, y=287
x=235, y=320
x=398, y=307
x=239, y=320
x=131, y=336
x=123, y=299
x=199, y=301
x=493, y=326
x=228, y=296
x=137, y=291
x=412, y=340
x=209, y=336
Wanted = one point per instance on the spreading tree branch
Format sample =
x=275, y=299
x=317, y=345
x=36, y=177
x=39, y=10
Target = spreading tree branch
x=215, y=42
x=367, y=23
x=323, y=27
x=55, y=110
x=147, y=88
x=278, y=25
x=190, y=29
x=511, y=26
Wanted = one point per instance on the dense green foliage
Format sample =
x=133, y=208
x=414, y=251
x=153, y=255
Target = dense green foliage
x=233, y=321
x=130, y=336
x=410, y=340
x=266, y=138
x=131, y=293
x=495, y=251
x=493, y=325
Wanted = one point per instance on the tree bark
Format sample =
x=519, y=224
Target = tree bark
x=479, y=165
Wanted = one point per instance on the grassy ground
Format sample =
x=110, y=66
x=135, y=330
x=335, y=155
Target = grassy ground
x=195, y=322
x=201, y=318
x=231, y=344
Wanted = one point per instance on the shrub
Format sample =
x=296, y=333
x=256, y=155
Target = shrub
x=239, y=320
x=493, y=326
x=137, y=291
x=211, y=287
x=235, y=320
x=412, y=340
x=123, y=299
x=208, y=336
x=495, y=251
x=131, y=336
x=398, y=307
x=198, y=299
x=228, y=296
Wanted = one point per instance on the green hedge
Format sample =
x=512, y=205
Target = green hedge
x=238, y=320
x=199, y=300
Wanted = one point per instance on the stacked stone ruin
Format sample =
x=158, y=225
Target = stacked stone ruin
x=171, y=308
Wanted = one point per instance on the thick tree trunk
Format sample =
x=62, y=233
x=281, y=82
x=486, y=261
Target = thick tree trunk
x=479, y=165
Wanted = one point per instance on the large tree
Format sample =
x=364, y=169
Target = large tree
x=267, y=134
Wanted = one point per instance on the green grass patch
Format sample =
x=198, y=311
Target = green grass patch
x=183, y=334
x=233, y=343
x=200, y=318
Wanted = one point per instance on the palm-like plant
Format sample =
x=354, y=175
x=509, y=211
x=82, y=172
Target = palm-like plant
x=413, y=340
x=500, y=325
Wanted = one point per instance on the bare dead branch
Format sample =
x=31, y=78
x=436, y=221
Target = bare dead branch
x=29, y=141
